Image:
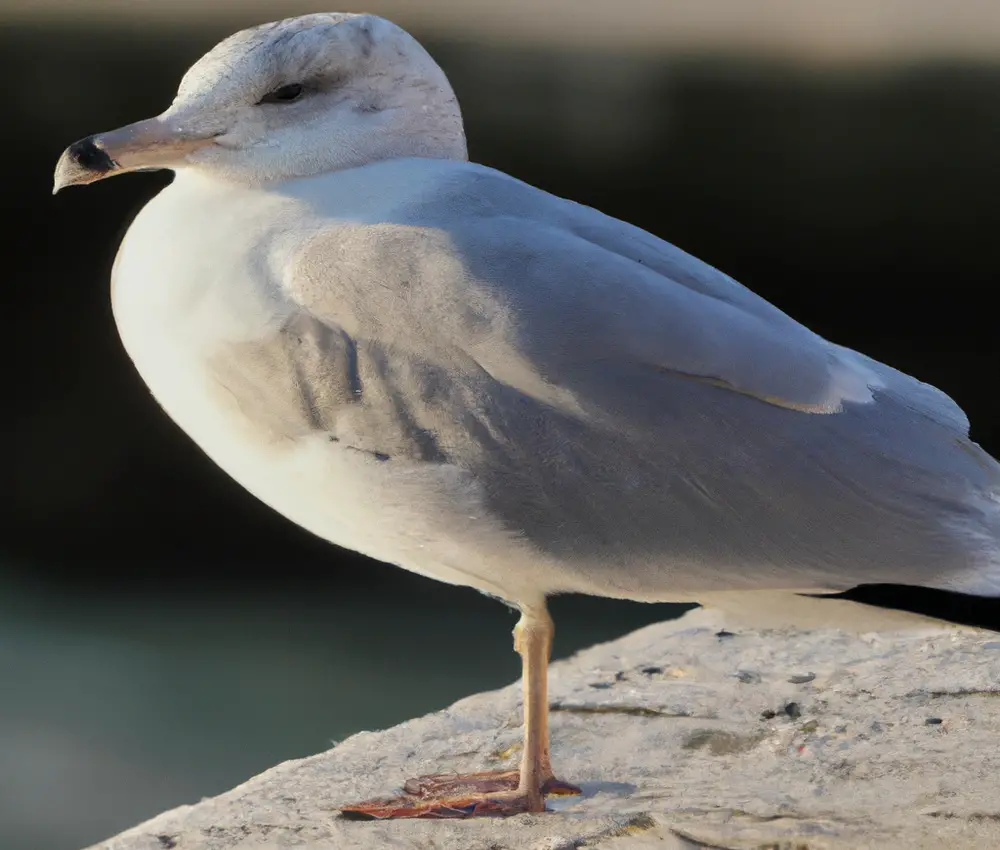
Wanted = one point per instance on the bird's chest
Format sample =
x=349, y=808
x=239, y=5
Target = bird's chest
x=211, y=339
x=270, y=394
x=183, y=292
x=257, y=425
x=242, y=405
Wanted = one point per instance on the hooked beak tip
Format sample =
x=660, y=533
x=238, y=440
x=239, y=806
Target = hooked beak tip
x=82, y=162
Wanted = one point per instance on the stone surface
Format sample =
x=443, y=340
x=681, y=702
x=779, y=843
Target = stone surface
x=698, y=733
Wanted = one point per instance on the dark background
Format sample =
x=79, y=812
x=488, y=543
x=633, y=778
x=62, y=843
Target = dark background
x=163, y=635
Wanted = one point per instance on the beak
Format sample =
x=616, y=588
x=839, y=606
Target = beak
x=154, y=143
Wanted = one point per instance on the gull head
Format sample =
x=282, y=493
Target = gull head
x=293, y=98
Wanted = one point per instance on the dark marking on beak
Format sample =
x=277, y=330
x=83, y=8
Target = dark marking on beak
x=88, y=155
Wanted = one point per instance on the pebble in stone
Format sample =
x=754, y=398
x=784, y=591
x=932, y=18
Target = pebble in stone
x=802, y=678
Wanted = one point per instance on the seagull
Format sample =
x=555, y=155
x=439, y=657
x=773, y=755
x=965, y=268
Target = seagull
x=435, y=364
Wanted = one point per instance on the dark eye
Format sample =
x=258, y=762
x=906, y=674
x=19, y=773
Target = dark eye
x=285, y=94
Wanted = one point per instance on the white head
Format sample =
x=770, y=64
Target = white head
x=289, y=99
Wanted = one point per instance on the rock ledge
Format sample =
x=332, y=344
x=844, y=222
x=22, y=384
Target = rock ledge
x=685, y=734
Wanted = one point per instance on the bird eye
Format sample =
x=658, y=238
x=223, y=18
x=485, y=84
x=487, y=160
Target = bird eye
x=284, y=94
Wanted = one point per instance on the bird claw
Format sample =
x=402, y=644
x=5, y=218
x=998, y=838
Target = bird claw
x=450, y=795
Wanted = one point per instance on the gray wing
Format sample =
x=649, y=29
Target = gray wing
x=546, y=295
x=621, y=402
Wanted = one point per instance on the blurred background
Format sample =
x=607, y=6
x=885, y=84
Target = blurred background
x=162, y=635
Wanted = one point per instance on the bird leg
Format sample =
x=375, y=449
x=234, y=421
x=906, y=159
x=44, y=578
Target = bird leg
x=495, y=793
x=533, y=642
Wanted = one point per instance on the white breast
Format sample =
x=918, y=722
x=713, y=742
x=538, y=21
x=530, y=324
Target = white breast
x=193, y=275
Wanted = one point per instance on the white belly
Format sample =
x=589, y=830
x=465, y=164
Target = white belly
x=177, y=309
x=427, y=518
